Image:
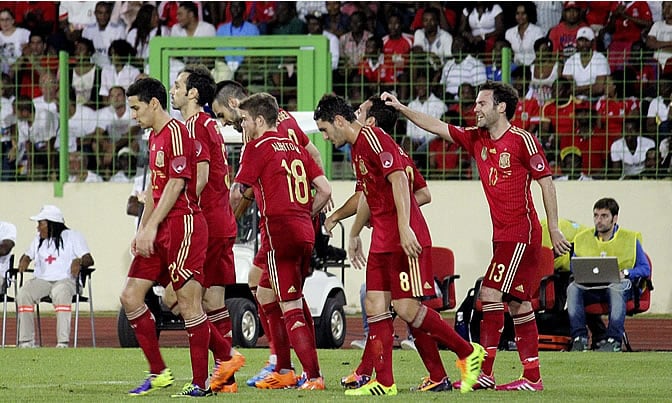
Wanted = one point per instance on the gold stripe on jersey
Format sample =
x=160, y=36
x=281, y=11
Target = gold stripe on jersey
x=527, y=138
x=415, y=277
x=372, y=139
x=176, y=136
x=273, y=272
x=185, y=246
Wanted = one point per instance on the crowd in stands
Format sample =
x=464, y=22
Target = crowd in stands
x=594, y=78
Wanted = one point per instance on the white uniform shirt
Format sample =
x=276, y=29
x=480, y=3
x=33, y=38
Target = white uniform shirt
x=110, y=78
x=7, y=118
x=52, y=264
x=470, y=70
x=662, y=32
x=633, y=163
x=598, y=66
x=102, y=39
x=7, y=231
x=658, y=109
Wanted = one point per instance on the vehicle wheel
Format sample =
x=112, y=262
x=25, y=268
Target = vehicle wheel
x=244, y=322
x=330, y=332
x=125, y=331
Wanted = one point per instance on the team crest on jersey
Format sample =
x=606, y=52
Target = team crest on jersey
x=505, y=160
x=179, y=163
x=537, y=163
x=362, y=167
x=160, y=159
x=484, y=153
x=386, y=159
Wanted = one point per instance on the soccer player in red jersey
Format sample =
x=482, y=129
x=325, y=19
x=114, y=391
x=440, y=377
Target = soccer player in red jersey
x=399, y=267
x=508, y=158
x=282, y=173
x=170, y=244
x=192, y=90
x=225, y=106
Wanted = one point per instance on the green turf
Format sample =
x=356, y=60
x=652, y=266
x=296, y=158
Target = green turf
x=97, y=375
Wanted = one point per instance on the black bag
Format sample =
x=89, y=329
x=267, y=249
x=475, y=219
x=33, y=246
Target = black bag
x=463, y=316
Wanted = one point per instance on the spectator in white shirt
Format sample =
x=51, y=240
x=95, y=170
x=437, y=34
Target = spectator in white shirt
x=523, y=35
x=145, y=27
x=425, y=101
x=188, y=23
x=120, y=72
x=7, y=241
x=80, y=167
x=588, y=69
x=59, y=253
x=103, y=33
x=78, y=14
x=12, y=40
x=464, y=68
x=116, y=127
x=314, y=25
x=432, y=39
x=125, y=166
x=628, y=154
x=659, y=110
x=81, y=127
x=37, y=130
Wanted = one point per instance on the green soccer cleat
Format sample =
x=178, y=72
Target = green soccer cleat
x=191, y=390
x=154, y=382
x=373, y=388
x=470, y=368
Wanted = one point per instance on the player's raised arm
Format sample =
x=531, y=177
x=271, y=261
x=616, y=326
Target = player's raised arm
x=422, y=120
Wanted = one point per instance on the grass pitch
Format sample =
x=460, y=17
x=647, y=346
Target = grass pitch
x=106, y=374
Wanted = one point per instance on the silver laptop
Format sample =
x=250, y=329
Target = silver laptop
x=595, y=271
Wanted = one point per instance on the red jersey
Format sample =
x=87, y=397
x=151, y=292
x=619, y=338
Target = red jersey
x=172, y=154
x=281, y=173
x=627, y=31
x=214, y=199
x=379, y=71
x=287, y=126
x=562, y=119
x=376, y=155
x=506, y=167
x=397, y=51
x=414, y=176
x=447, y=158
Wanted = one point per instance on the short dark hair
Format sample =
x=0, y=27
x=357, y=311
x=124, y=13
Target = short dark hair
x=434, y=11
x=331, y=105
x=543, y=41
x=261, y=104
x=25, y=103
x=607, y=203
x=229, y=89
x=502, y=92
x=122, y=48
x=190, y=6
x=88, y=43
x=201, y=79
x=146, y=89
x=385, y=115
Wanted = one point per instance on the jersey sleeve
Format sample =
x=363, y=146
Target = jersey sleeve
x=250, y=168
x=288, y=126
x=419, y=181
x=383, y=150
x=201, y=142
x=460, y=136
x=533, y=156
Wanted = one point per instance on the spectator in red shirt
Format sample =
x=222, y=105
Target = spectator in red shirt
x=625, y=26
x=447, y=17
x=563, y=35
x=612, y=109
x=374, y=69
x=397, y=47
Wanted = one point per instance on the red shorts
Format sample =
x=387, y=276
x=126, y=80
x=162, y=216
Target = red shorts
x=402, y=276
x=179, y=252
x=513, y=269
x=286, y=271
x=260, y=259
x=220, y=266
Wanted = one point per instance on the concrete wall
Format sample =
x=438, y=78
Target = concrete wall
x=458, y=218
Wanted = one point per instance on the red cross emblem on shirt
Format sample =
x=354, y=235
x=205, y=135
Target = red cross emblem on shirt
x=50, y=259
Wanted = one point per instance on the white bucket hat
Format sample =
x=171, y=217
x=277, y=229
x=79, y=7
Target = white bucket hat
x=49, y=212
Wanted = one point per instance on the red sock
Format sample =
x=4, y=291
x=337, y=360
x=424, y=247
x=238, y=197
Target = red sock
x=143, y=323
x=441, y=331
x=220, y=347
x=309, y=320
x=276, y=328
x=198, y=330
x=429, y=354
x=492, y=326
x=301, y=338
x=379, y=344
x=263, y=320
x=221, y=320
x=527, y=340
